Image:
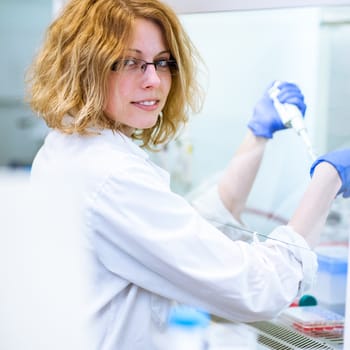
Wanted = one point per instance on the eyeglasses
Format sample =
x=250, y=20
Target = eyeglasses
x=137, y=65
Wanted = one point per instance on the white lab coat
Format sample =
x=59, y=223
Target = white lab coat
x=148, y=246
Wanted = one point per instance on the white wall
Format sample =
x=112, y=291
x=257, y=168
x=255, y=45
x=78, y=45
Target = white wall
x=335, y=31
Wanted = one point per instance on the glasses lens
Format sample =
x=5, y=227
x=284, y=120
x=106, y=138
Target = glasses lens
x=166, y=66
x=138, y=65
x=128, y=65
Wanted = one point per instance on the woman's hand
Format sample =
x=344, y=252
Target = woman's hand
x=266, y=120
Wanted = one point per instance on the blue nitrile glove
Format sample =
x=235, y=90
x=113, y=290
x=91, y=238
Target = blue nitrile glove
x=340, y=159
x=265, y=120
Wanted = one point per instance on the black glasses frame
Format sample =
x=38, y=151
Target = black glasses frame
x=142, y=64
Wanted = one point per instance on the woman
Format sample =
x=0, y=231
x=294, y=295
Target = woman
x=114, y=75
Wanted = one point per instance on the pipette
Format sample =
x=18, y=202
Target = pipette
x=291, y=117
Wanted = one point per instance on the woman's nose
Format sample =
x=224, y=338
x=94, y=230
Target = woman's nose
x=150, y=77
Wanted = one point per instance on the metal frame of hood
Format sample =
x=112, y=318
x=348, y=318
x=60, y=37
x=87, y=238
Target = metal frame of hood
x=201, y=6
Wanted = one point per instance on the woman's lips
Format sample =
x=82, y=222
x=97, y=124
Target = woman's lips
x=147, y=105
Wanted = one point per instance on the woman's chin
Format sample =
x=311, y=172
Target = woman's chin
x=147, y=124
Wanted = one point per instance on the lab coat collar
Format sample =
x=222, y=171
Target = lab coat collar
x=119, y=138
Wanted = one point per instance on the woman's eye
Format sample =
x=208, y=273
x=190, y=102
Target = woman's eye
x=130, y=63
x=162, y=63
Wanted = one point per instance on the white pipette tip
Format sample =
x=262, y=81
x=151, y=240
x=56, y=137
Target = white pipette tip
x=305, y=137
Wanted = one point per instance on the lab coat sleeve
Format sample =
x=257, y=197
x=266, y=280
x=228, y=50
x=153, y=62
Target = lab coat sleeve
x=296, y=244
x=207, y=202
x=153, y=238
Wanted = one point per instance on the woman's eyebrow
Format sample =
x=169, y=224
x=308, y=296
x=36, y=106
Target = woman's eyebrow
x=159, y=53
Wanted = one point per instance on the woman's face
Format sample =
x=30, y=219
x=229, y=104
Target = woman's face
x=135, y=98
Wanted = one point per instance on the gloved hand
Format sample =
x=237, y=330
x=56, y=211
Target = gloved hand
x=265, y=120
x=340, y=159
